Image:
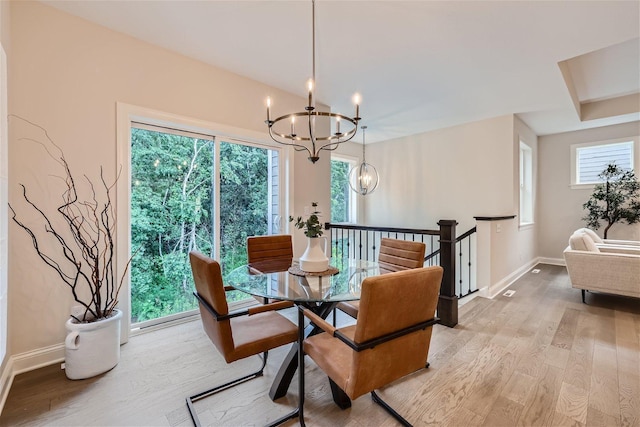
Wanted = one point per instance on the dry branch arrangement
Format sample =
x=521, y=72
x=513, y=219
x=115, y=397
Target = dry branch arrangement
x=84, y=256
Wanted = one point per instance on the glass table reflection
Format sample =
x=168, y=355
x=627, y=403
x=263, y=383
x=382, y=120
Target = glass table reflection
x=272, y=280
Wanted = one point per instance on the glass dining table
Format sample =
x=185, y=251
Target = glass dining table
x=284, y=281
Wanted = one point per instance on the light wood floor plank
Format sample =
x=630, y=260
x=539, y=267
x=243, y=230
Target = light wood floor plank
x=539, y=358
x=604, y=391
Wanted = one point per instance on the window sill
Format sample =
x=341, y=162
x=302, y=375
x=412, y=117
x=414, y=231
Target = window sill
x=582, y=186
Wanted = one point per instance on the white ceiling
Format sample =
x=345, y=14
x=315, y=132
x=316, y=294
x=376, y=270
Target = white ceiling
x=419, y=65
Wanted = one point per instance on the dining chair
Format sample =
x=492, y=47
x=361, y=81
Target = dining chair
x=389, y=340
x=269, y=253
x=237, y=334
x=269, y=248
x=395, y=255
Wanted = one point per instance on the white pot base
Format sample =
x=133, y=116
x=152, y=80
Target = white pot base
x=92, y=348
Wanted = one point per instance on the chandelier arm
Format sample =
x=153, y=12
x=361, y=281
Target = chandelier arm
x=297, y=147
x=348, y=137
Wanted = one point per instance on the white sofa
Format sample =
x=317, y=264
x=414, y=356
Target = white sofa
x=613, y=269
x=599, y=241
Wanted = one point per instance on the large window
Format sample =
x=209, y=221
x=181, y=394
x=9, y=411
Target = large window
x=588, y=160
x=189, y=192
x=343, y=199
x=526, y=184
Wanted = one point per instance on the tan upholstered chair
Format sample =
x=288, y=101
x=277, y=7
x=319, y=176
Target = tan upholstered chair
x=395, y=255
x=269, y=248
x=239, y=334
x=270, y=253
x=390, y=339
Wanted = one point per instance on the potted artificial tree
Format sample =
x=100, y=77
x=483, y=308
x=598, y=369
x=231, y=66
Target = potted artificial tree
x=75, y=239
x=616, y=199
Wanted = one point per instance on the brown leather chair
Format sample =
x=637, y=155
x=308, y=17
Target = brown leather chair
x=390, y=339
x=269, y=248
x=395, y=255
x=238, y=334
x=270, y=253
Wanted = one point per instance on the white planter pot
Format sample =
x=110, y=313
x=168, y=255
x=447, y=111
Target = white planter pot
x=92, y=348
x=314, y=258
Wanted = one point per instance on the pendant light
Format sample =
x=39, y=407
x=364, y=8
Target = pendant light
x=363, y=179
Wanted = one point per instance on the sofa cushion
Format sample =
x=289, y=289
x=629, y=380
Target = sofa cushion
x=594, y=236
x=580, y=241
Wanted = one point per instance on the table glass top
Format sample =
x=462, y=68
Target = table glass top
x=272, y=280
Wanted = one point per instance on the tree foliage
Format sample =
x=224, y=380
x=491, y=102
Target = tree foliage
x=340, y=191
x=173, y=213
x=616, y=199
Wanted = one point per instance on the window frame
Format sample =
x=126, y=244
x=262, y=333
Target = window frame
x=635, y=161
x=126, y=114
x=526, y=184
x=353, y=200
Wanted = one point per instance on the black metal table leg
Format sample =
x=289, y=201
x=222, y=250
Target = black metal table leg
x=289, y=365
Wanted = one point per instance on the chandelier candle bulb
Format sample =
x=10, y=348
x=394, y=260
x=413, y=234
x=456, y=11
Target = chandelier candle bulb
x=293, y=126
x=310, y=87
x=337, y=125
x=268, y=107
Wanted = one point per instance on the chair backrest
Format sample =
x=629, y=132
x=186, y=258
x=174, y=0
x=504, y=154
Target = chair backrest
x=207, y=276
x=391, y=303
x=397, y=255
x=268, y=248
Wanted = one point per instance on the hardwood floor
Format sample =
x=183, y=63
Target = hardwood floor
x=538, y=358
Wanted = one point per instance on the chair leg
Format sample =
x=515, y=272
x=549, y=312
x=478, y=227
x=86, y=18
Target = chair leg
x=301, y=367
x=339, y=396
x=299, y=411
x=219, y=388
x=390, y=410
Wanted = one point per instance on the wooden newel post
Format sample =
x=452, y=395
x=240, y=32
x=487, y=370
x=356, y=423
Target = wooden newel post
x=448, y=301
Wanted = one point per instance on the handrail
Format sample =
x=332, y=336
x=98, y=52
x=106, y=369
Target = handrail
x=328, y=225
x=458, y=240
x=466, y=234
x=446, y=249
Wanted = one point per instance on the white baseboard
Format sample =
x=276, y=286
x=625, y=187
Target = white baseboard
x=25, y=362
x=6, y=380
x=492, y=290
x=552, y=261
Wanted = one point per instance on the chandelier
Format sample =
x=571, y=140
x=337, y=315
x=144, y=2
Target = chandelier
x=338, y=128
x=363, y=179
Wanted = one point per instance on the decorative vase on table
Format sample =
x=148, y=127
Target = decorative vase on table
x=314, y=259
x=92, y=348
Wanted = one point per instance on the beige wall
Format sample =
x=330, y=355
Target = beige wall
x=459, y=173
x=559, y=206
x=67, y=75
x=453, y=173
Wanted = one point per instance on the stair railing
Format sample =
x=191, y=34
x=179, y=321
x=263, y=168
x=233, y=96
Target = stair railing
x=443, y=248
